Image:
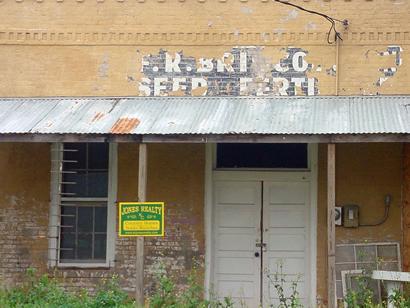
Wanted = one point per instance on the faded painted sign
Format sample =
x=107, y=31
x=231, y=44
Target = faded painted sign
x=141, y=219
x=241, y=71
x=390, y=71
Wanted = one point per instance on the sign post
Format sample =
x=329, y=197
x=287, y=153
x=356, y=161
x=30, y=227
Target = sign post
x=142, y=197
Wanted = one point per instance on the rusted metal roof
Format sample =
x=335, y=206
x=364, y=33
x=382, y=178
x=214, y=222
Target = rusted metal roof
x=206, y=115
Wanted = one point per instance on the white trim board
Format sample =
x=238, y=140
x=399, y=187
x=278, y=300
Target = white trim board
x=306, y=175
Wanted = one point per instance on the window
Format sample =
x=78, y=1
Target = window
x=354, y=259
x=83, y=178
x=83, y=228
x=262, y=155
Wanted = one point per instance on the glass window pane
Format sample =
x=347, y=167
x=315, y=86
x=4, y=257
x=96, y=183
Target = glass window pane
x=100, y=219
x=77, y=184
x=84, y=246
x=85, y=219
x=100, y=243
x=68, y=219
x=67, y=244
x=262, y=155
x=79, y=155
x=98, y=156
x=97, y=184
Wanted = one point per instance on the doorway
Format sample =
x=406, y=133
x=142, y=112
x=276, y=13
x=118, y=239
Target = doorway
x=261, y=234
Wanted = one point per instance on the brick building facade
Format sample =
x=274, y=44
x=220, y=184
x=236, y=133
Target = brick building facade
x=94, y=49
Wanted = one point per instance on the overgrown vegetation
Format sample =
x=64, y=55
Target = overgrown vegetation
x=168, y=296
x=44, y=292
x=363, y=294
x=278, y=281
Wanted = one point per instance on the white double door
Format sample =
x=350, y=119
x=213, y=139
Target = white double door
x=261, y=239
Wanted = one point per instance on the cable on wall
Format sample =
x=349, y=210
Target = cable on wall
x=332, y=21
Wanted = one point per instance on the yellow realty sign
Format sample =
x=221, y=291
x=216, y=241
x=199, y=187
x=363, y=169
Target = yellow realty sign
x=141, y=219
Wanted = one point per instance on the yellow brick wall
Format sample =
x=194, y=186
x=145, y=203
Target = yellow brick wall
x=90, y=47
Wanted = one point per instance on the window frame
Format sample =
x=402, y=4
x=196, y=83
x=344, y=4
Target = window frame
x=310, y=154
x=55, y=208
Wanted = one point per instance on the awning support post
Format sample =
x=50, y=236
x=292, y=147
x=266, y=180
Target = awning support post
x=331, y=245
x=142, y=191
x=406, y=207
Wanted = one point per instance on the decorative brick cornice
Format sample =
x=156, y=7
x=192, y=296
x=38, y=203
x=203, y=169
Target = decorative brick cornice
x=162, y=1
x=48, y=37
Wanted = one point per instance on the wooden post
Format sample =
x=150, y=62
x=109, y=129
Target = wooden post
x=142, y=191
x=331, y=245
x=406, y=207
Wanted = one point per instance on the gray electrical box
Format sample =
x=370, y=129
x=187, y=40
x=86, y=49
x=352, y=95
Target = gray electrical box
x=351, y=216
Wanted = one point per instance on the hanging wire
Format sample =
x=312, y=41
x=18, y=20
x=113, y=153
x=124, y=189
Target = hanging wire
x=327, y=17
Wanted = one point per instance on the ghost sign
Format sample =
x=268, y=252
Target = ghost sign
x=240, y=71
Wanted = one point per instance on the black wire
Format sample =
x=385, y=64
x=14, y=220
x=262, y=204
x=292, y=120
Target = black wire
x=328, y=18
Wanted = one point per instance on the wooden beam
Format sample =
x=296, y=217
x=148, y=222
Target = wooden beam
x=196, y=138
x=331, y=245
x=142, y=196
x=406, y=207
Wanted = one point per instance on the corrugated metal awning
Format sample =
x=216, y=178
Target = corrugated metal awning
x=167, y=118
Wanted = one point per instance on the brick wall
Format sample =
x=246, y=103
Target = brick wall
x=24, y=197
x=24, y=202
x=97, y=48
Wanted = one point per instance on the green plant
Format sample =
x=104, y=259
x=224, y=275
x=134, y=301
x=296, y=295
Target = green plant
x=109, y=294
x=167, y=295
x=43, y=292
x=363, y=296
x=278, y=280
x=399, y=300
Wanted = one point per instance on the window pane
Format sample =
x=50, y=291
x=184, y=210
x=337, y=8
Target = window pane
x=97, y=184
x=98, y=156
x=262, y=155
x=79, y=155
x=77, y=184
x=85, y=219
x=100, y=244
x=100, y=219
x=68, y=219
x=67, y=244
x=84, y=246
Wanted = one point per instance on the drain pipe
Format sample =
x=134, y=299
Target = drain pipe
x=337, y=67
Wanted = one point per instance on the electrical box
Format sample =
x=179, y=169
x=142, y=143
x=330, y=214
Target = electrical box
x=338, y=215
x=351, y=216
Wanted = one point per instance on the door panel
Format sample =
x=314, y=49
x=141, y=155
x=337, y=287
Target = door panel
x=285, y=231
x=237, y=228
x=239, y=207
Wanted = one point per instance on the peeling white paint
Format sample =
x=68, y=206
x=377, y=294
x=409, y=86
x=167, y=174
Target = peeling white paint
x=310, y=26
x=103, y=67
x=293, y=14
x=246, y=10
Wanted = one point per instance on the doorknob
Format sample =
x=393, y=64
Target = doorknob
x=257, y=254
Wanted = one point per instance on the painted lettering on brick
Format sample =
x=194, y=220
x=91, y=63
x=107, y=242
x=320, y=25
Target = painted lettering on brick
x=234, y=73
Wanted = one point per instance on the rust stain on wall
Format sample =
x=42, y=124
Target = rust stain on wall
x=125, y=125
